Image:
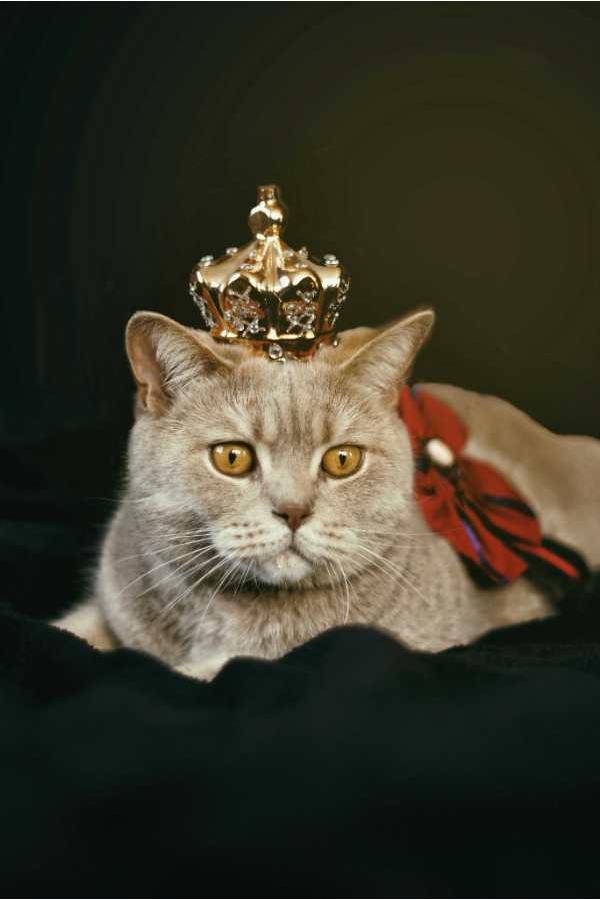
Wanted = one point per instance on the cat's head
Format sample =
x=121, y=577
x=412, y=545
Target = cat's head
x=281, y=472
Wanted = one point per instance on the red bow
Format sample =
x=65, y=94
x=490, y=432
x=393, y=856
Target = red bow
x=468, y=502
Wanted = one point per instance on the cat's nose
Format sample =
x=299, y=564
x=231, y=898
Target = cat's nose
x=293, y=514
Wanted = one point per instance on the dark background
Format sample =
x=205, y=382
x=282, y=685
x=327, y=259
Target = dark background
x=449, y=153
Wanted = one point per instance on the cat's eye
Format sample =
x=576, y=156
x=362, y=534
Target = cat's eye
x=232, y=459
x=339, y=462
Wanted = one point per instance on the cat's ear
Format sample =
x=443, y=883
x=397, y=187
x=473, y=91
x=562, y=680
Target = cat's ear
x=384, y=362
x=164, y=357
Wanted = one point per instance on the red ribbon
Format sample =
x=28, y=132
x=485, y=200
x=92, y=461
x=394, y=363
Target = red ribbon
x=470, y=503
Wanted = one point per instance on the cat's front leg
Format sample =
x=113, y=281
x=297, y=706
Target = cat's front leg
x=87, y=622
x=206, y=668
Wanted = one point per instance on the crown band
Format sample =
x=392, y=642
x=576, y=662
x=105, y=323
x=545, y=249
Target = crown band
x=281, y=302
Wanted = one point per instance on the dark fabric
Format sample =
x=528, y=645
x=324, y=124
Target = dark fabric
x=351, y=767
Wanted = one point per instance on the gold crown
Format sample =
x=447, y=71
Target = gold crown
x=280, y=301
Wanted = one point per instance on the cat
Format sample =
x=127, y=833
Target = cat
x=239, y=532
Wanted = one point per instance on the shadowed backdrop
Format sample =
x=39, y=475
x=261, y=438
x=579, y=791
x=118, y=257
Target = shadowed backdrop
x=448, y=153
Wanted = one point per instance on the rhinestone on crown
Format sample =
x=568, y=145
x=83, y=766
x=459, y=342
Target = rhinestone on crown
x=282, y=302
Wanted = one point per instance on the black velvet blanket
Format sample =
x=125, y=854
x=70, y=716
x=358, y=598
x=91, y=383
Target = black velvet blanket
x=351, y=767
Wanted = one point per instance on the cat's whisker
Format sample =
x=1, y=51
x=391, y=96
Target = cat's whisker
x=395, y=571
x=196, y=566
x=144, y=499
x=239, y=581
x=195, y=563
x=203, y=539
x=343, y=546
x=154, y=569
x=330, y=573
x=176, y=537
x=337, y=561
x=221, y=584
x=429, y=534
x=198, y=532
x=191, y=565
x=374, y=560
x=376, y=570
x=243, y=576
x=160, y=550
x=194, y=586
x=352, y=559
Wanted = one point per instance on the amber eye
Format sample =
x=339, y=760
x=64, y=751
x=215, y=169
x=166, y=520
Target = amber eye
x=342, y=461
x=232, y=459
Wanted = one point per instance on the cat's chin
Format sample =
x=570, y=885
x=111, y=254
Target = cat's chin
x=288, y=567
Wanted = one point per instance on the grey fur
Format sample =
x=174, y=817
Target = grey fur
x=364, y=554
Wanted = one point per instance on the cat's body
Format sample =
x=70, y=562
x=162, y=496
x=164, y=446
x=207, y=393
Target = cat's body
x=198, y=566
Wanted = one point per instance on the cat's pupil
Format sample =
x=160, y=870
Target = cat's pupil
x=232, y=456
x=343, y=457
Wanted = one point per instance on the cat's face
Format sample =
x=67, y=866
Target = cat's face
x=282, y=473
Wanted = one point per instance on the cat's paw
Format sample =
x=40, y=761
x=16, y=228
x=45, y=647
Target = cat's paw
x=87, y=622
x=204, y=669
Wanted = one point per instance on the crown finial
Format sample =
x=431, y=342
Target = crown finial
x=281, y=302
x=269, y=216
